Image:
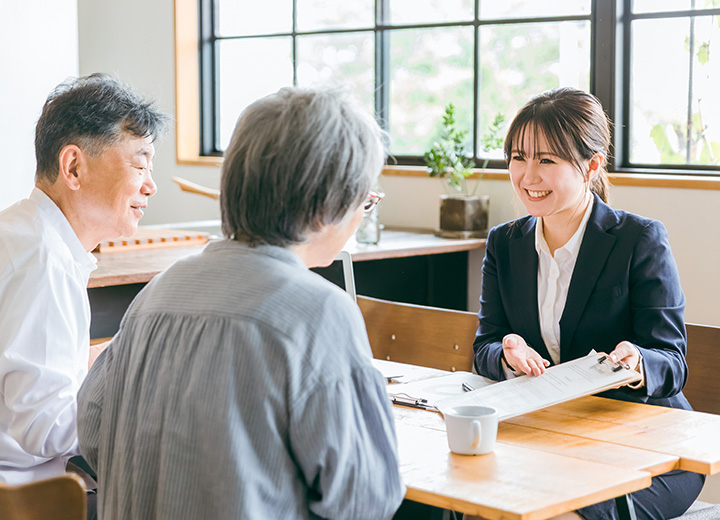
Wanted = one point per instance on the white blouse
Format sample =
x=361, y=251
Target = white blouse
x=553, y=281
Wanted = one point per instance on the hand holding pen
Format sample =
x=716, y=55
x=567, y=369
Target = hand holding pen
x=625, y=353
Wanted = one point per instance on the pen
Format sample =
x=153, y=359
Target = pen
x=466, y=387
x=412, y=402
x=618, y=366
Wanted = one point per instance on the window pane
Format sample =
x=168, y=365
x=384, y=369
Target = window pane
x=519, y=61
x=429, y=69
x=490, y=9
x=244, y=76
x=236, y=17
x=339, y=60
x=659, y=116
x=431, y=11
x=658, y=6
x=332, y=14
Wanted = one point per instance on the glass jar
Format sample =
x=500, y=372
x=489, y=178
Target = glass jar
x=369, y=230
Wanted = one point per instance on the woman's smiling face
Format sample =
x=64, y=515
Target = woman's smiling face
x=547, y=185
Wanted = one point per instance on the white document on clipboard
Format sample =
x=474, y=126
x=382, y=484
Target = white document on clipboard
x=428, y=392
x=587, y=375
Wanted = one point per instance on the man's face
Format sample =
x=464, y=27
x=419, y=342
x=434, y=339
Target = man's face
x=117, y=186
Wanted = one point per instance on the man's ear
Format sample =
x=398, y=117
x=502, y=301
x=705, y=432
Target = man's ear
x=72, y=162
x=594, y=165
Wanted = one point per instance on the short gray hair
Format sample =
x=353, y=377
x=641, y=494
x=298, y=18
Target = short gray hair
x=298, y=160
x=92, y=112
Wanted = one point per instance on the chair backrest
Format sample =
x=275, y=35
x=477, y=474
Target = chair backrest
x=58, y=498
x=425, y=336
x=703, y=353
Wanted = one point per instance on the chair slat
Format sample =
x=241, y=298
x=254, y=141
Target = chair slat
x=425, y=336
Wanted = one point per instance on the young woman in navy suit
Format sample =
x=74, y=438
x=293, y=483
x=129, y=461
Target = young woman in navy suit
x=576, y=275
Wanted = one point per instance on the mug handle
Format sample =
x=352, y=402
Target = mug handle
x=476, y=434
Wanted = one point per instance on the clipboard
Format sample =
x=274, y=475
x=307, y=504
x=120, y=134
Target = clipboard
x=580, y=377
x=426, y=393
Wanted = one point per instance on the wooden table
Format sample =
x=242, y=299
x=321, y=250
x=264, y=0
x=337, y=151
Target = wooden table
x=120, y=268
x=693, y=437
x=409, y=266
x=554, y=460
x=512, y=482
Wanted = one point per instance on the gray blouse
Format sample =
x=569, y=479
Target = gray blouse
x=240, y=386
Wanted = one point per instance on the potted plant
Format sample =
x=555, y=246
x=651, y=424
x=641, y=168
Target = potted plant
x=463, y=214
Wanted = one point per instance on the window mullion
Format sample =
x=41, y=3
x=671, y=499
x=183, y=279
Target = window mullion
x=209, y=85
x=622, y=85
x=293, y=48
x=691, y=53
x=604, y=29
x=382, y=64
x=476, y=82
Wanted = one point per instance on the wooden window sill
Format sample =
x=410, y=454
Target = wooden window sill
x=646, y=180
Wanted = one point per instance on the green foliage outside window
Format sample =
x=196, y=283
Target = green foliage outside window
x=688, y=142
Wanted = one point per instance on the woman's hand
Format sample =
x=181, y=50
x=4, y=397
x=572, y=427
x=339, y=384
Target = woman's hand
x=522, y=358
x=627, y=353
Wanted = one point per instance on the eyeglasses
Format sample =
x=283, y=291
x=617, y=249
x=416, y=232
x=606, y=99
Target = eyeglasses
x=372, y=200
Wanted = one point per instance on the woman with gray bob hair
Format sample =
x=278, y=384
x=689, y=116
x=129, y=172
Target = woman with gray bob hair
x=298, y=160
x=277, y=387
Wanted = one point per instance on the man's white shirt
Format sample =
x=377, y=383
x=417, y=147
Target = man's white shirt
x=44, y=338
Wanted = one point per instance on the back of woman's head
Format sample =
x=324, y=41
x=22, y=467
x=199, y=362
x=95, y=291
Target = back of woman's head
x=574, y=126
x=298, y=160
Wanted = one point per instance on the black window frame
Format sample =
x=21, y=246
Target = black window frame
x=610, y=48
x=622, y=110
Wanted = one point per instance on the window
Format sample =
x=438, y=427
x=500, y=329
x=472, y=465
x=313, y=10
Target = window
x=673, y=84
x=649, y=61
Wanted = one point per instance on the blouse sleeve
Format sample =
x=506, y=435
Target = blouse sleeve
x=343, y=436
x=90, y=403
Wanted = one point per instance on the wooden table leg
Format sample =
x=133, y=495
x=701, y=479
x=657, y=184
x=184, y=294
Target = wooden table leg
x=626, y=508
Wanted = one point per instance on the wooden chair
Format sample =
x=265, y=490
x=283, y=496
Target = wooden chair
x=425, y=336
x=703, y=391
x=59, y=498
x=703, y=385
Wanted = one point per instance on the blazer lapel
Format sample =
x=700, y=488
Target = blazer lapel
x=524, y=269
x=593, y=254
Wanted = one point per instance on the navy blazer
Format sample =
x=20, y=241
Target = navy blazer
x=625, y=286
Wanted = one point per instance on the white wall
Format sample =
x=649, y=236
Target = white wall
x=38, y=50
x=134, y=40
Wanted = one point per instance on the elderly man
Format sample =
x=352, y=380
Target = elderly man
x=241, y=384
x=94, y=150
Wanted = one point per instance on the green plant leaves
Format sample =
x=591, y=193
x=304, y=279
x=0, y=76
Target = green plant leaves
x=447, y=157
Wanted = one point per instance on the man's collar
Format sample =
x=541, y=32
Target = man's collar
x=57, y=219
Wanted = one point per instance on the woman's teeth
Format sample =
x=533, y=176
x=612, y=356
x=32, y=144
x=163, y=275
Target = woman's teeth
x=538, y=194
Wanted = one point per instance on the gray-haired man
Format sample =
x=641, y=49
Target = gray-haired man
x=94, y=150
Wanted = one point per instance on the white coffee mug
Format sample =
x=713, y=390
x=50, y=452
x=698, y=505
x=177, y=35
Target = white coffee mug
x=471, y=430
